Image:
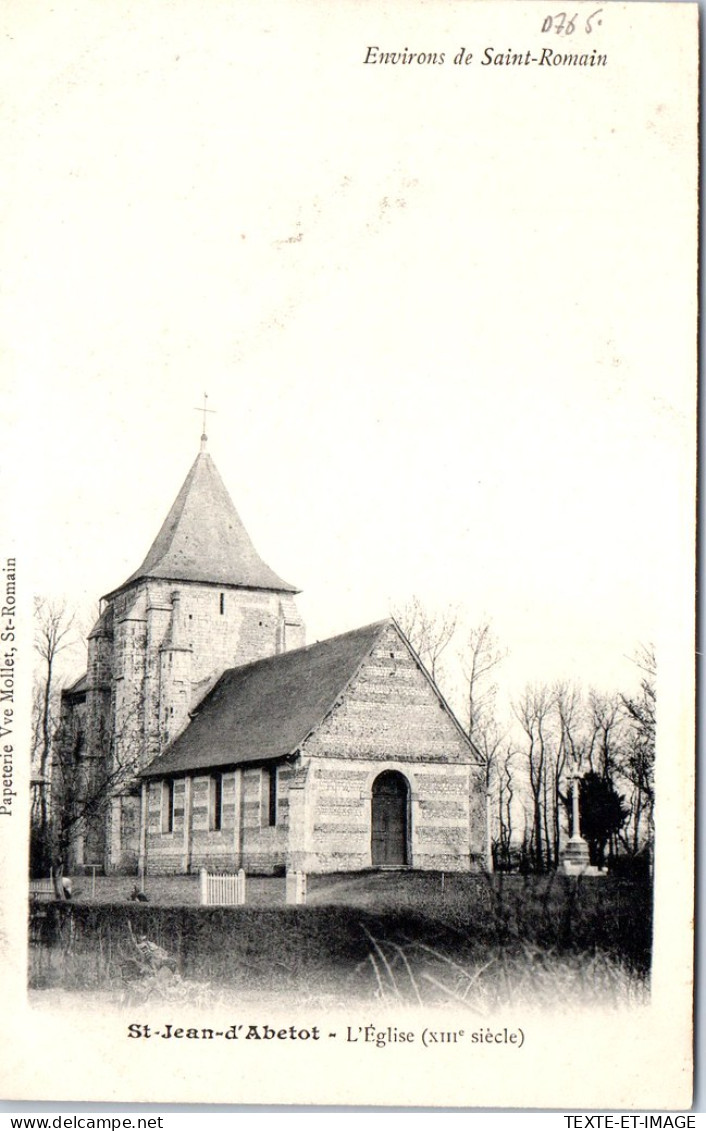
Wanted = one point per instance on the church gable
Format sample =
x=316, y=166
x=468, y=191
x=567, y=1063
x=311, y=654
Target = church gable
x=391, y=711
x=265, y=711
x=361, y=695
x=369, y=766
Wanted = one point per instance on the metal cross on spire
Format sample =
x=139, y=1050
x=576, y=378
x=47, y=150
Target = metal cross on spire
x=204, y=409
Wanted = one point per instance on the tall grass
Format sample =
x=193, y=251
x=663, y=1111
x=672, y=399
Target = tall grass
x=470, y=941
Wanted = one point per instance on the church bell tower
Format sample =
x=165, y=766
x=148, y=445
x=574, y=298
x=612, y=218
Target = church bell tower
x=203, y=600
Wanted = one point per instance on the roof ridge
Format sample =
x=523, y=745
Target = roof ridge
x=308, y=647
x=380, y=626
x=292, y=653
x=281, y=698
x=434, y=685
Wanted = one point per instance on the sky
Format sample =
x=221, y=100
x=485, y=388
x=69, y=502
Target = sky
x=445, y=318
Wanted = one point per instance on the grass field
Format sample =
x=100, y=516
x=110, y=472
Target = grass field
x=393, y=937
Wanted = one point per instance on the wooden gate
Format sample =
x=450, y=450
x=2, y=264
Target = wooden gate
x=390, y=820
x=219, y=889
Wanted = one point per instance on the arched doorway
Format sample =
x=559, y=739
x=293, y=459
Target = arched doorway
x=390, y=820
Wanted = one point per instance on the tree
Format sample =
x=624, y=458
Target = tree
x=637, y=763
x=533, y=712
x=602, y=814
x=606, y=721
x=88, y=774
x=53, y=634
x=429, y=633
x=482, y=656
x=83, y=771
x=502, y=843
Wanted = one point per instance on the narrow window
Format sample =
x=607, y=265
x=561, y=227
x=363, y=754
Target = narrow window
x=79, y=746
x=167, y=806
x=223, y=603
x=269, y=795
x=215, y=803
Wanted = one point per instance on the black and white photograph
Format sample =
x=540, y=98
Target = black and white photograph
x=347, y=600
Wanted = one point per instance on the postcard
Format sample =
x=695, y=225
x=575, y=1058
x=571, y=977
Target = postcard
x=347, y=601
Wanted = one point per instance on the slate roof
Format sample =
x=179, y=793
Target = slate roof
x=203, y=539
x=104, y=624
x=265, y=710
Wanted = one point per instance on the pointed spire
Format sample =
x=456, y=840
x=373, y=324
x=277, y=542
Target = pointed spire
x=203, y=538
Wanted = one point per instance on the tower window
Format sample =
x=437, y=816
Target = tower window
x=215, y=803
x=223, y=603
x=79, y=745
x=269, y=796
x=167, y=806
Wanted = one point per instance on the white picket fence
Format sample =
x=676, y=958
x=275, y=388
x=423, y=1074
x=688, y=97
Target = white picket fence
x=222, y=889
x=219, y=889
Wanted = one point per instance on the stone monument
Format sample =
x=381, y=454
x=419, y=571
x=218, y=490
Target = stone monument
x=575, y=859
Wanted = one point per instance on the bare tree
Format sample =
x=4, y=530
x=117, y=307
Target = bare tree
x=481, y=656
x=605, y=721
x=53, y=634
x=429, y=633
x=636, y=765
x=606, y=740
x=502, y=843
x=533, y=712
x=488, y=742
x=88, y=776
x=85, y=771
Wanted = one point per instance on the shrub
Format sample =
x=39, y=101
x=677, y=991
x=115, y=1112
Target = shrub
x=342, y=947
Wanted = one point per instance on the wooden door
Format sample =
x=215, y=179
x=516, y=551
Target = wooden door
x=390, y=805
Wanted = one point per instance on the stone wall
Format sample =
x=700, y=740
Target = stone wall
x=389, y=718
x=162, y=663
x=225, y=627
x=145, y=673
x=334, y=815
x=219, y=627
x=390, y=711
x=246, y=838
x=444, y=820
x=392, y=718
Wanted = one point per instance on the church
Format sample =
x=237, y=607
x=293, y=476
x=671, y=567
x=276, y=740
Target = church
x=223, y=741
